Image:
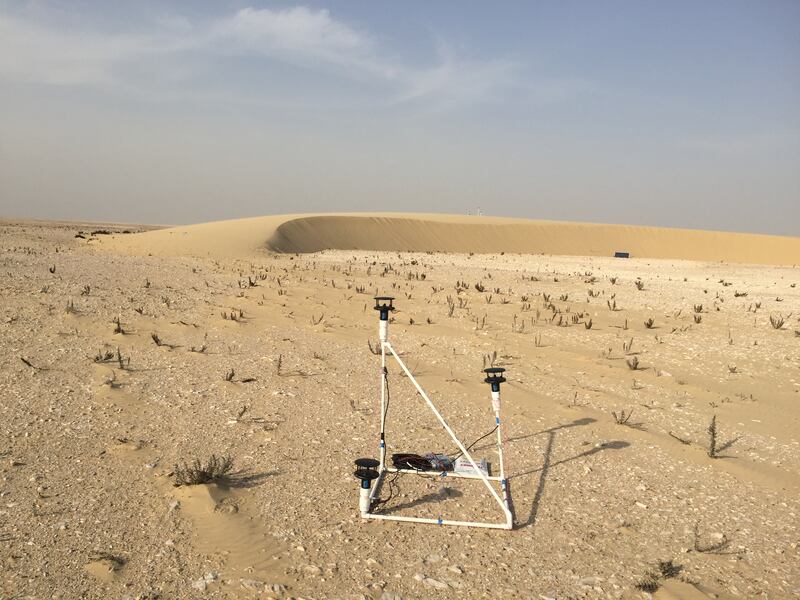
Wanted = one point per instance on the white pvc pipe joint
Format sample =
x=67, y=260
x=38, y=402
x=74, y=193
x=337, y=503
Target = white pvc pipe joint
x=384, y=330
x=364, y=501
x=496, y=401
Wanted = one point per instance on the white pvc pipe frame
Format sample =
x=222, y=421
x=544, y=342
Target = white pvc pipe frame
x=503, y=502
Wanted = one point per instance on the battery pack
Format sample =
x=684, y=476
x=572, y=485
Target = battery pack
x=465, y=467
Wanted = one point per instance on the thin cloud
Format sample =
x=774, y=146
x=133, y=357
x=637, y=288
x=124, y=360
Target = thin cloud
x=296, y=30
x=33, y=51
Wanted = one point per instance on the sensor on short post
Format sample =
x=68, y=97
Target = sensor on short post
x=366, y=472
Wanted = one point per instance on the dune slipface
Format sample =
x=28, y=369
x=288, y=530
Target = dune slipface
x=451, y=233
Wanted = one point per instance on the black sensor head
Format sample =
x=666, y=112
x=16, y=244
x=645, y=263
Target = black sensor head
x=494, y=377
x=384, y=305
x=365, y=471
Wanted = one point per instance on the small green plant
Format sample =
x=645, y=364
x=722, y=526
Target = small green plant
x=587, y=324
x=639, y=284
x=633, y=363
x=649, y=323
x=777, y=322
x=698, y=318
x=214, y=469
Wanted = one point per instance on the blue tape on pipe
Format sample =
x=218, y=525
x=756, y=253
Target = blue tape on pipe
x=497, y=420
x=439, y=522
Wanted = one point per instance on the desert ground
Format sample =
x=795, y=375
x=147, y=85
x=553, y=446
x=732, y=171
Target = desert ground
x=126, y=355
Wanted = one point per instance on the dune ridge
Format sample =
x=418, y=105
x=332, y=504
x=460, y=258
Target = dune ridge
x=458, y=233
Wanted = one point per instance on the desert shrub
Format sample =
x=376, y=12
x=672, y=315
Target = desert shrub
x=214, y=469
x=648, y=583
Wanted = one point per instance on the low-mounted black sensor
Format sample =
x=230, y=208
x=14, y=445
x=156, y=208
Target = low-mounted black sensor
x=494, y=377
x=365, y=471
x=384, y=305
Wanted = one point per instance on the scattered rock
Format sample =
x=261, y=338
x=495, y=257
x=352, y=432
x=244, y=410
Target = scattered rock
x=253, y=584
x=203, y=583
x=431, y=582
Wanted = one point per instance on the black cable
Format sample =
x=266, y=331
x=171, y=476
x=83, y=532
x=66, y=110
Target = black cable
x=391, y=485
x=386, y=387
x=468, y=448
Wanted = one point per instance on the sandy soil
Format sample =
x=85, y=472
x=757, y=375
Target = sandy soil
x=88, y=508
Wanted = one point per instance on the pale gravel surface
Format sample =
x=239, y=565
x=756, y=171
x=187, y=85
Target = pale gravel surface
x=596, y=503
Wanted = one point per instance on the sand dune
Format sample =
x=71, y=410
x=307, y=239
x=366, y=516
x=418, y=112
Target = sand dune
x=453, y=233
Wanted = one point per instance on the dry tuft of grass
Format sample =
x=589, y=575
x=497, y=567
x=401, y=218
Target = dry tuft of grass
x=622, y=417
x=777, y=322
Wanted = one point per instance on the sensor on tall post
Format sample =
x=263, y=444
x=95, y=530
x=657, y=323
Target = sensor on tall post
x=383, y=304
x=494, y=377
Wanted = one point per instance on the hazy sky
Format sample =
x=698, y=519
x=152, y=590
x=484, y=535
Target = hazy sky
x=666, y=113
